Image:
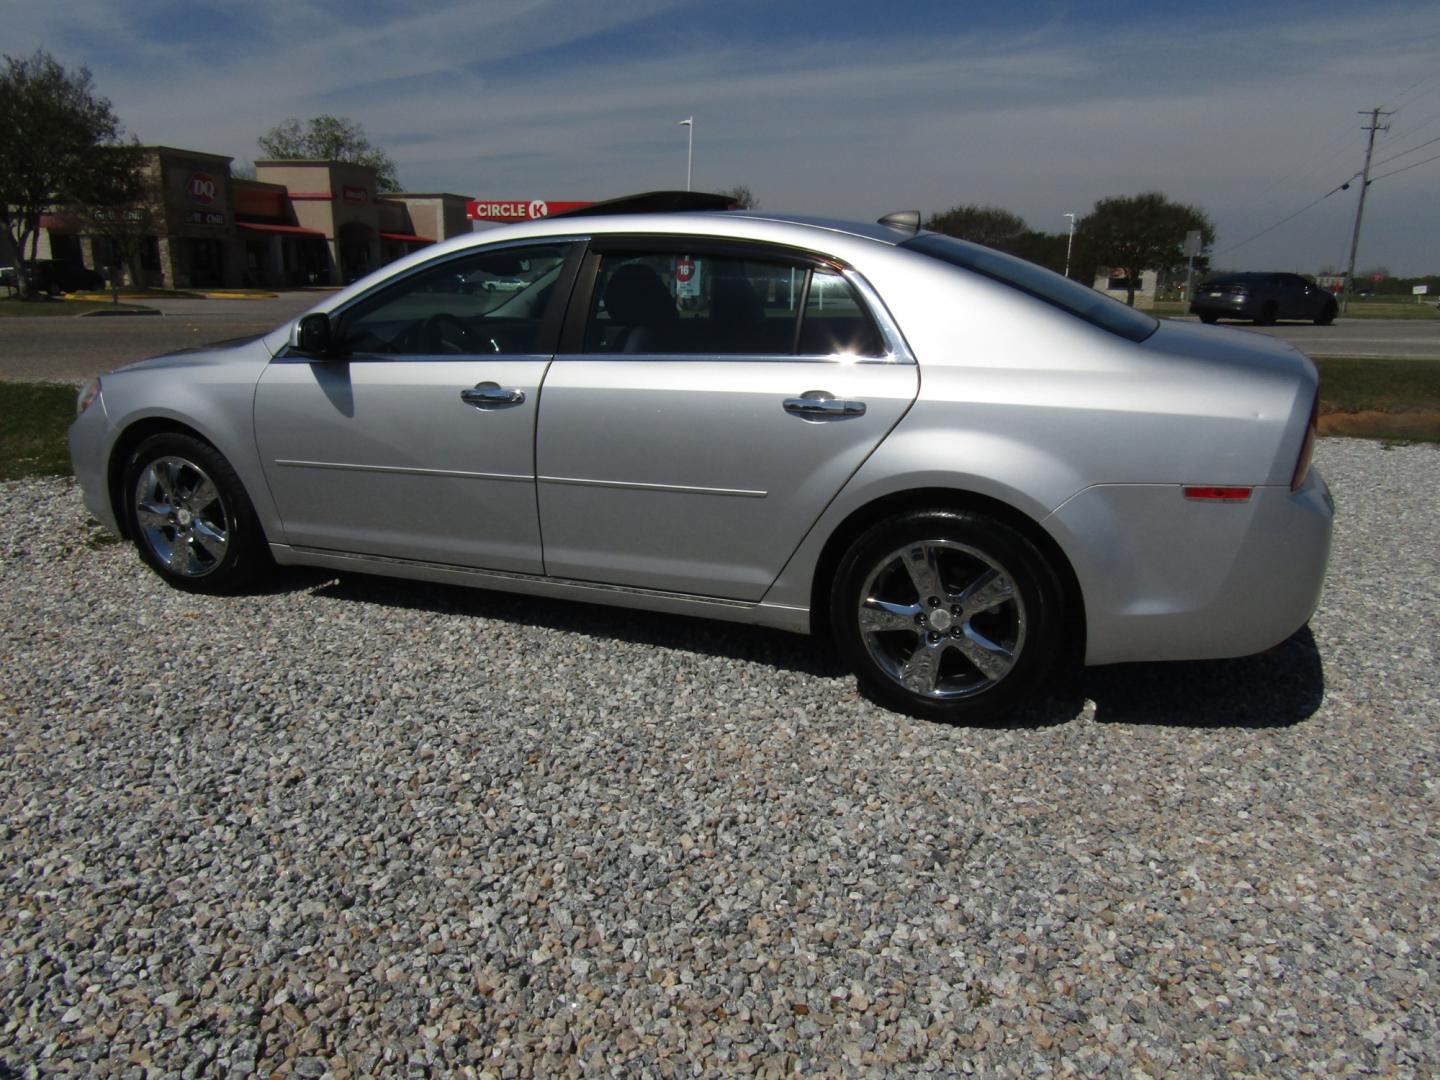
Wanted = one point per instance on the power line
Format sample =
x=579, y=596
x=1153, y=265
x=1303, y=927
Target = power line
x=1402, y=153
x=1405, y=168
x=1282, y=221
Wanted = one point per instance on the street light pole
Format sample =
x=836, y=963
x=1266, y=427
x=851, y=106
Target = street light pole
x=689, y=122
x=1070, y=243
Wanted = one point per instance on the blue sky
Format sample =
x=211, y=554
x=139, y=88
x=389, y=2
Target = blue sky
x=1248, y=110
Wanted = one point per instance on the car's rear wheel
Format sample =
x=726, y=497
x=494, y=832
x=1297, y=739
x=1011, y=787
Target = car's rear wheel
x=1209, y=319
x=947, y=615
x=189, y=516
x=1267, y=314
x=1327, y=314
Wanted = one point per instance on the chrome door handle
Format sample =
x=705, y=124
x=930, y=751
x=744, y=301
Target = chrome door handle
x=818, y=405
x=487, y=395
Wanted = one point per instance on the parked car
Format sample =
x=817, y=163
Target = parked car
x=53, y=277
x=965, y=468
x=1263, y=298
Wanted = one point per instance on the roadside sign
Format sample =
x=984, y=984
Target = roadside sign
x=1192, y=242
x=1419, y=290
x=517, y=209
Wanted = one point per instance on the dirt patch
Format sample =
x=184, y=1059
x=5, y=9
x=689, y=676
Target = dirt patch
x=1373, y=424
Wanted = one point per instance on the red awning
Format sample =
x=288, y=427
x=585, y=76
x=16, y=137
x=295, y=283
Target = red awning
x=406, y=238
x=289, y=230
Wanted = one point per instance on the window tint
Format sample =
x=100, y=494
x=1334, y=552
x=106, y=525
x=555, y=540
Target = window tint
x=692, y=304
x=725, y=305
x=488, y=303
x=835, y=320
x=1069, y=296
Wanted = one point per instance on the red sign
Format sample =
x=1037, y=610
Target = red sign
x=517, y=209
x=684, y=269
x=201, y=188
x=357, y=195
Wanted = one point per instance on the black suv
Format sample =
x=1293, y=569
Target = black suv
x=1263, y=298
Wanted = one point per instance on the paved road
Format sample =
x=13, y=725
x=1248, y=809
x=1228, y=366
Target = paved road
x=74, y=349
x=1405, y=338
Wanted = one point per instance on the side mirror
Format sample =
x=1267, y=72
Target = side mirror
x=312, y=336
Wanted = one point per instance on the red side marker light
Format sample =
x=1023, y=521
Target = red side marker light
x=1217, y=494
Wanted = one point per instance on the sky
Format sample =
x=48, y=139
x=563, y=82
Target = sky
x=1246, y=109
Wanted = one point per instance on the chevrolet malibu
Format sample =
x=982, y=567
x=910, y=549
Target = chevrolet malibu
x=963, y=467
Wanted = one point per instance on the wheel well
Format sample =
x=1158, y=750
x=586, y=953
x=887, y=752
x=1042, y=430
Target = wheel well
x=125, y=445
x=945, y=499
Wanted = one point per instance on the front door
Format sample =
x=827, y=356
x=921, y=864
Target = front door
x=418, y=441
x=704, y=426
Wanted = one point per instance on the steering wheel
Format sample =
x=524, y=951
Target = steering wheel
x=444, y=333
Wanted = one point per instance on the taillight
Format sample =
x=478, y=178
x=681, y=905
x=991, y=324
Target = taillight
x=1307, y=448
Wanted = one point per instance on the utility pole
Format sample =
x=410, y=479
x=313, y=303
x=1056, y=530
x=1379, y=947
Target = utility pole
x=1069, y=243
x=1375, y=126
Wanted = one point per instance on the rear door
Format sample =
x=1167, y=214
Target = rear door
x=708, y=402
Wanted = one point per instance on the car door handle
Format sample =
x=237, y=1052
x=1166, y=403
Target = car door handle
x=818, y=405
x=487, y=395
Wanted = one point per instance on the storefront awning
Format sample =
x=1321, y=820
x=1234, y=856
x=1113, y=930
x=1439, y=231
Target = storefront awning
x=406, y=238
x=289, y=230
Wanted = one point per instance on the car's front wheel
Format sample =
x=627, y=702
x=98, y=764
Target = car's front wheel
x=947, y=615
x=1327, y=314
x=189, y=516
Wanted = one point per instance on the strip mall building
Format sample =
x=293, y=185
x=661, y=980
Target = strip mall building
x=297, y=223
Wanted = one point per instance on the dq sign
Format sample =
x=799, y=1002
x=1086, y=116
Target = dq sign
x=201, y=188
x=517, y=209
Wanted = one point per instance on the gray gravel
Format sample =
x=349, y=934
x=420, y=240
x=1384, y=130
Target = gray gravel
x=354, y=827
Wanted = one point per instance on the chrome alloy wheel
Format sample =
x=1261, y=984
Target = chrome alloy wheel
x=943, y=619
x=182, y=518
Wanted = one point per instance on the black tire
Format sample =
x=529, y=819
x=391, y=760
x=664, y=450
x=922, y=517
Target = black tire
x=189, y=516
x=1013, y=627
x=1267, y=314
x=1327, y=314
x=1209, y=320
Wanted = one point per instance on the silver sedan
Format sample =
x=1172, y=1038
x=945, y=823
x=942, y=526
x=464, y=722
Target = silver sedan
x=965, y=468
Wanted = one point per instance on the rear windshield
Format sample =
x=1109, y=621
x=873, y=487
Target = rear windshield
x=1069, y=296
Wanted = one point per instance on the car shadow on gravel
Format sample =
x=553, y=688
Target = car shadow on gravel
x=1279, y=688
x=1275, y=689
x=732, y=641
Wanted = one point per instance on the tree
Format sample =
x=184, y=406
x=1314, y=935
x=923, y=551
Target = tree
x=329, y=138
x=743, y=196
x=988, y=225
x=60, y=143
x=130, y=214
x=1142, y=232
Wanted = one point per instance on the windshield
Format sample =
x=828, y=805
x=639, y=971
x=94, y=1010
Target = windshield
x=1069, y=296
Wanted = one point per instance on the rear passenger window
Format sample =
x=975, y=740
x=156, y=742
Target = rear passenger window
x=693, y=304
x=719, y=305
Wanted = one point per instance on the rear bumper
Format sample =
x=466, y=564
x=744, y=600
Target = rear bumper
x=1240, y=308
x=1164, y=578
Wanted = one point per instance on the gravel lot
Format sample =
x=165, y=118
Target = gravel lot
x=353, y=827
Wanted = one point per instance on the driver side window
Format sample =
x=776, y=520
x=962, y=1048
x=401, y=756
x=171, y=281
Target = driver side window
x=483, y=304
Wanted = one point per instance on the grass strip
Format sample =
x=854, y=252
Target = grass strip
x=29, y=309
x=33, y=420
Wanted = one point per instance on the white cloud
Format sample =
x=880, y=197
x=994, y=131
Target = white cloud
x=1249, y=119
